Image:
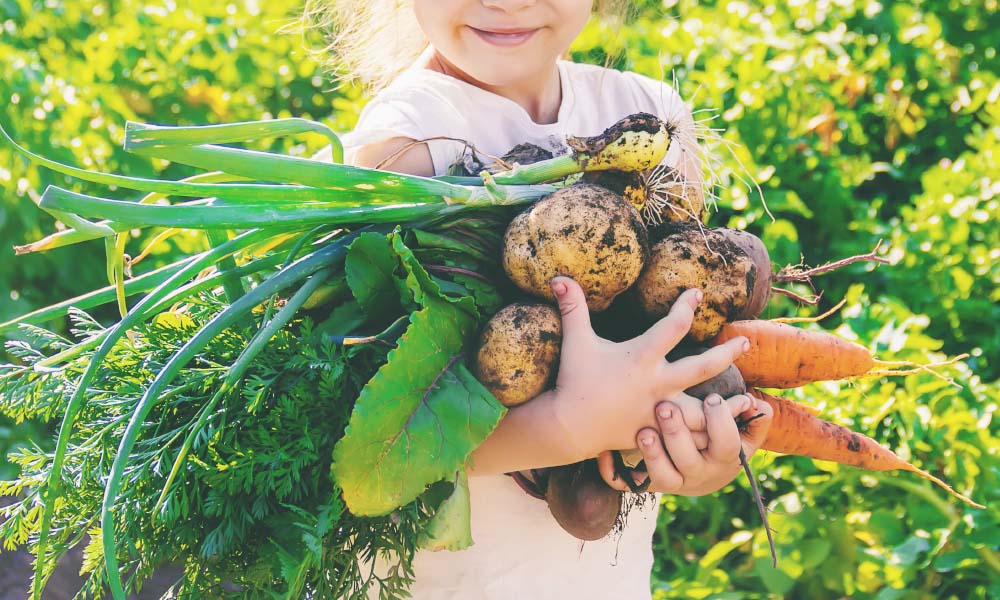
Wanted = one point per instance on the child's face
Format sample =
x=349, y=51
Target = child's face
x=502, y=42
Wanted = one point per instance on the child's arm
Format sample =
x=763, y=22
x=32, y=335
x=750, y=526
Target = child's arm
x=415, y=160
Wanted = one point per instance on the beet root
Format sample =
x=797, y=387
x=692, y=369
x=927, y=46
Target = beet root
x=581, y=502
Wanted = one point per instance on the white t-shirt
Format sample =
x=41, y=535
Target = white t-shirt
x=422, y=104
x=519, y=550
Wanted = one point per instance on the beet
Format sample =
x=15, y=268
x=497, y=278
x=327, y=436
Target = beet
x=581, y=502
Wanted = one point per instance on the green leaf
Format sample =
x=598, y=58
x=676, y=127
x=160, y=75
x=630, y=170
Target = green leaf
x=418, y=418
x=775, y=580
x=426, y=239
x=814, y=552
x=449, y=528
x=370, y=267
x=343, y=319
x=421, y=284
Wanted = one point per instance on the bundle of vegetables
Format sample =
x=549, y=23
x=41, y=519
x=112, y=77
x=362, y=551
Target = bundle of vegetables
x=295, y=404
x=283, y=409
x=633, y=271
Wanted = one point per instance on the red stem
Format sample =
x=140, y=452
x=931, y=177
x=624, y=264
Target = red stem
x=795, y=274
x=459, y=270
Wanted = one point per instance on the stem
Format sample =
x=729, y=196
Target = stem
x=394, y=330
x=760, y=506
x=139, y=135
x=320, y=179
x=545, y=170
x=810, y=319
x=801, y=299
x=459, y=270
x=231, y=283
x=796, y=274
x=136, y=285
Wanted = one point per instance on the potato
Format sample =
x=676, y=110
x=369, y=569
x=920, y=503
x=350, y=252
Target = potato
x=691, y=257
x=518, y=353
x=581, y=502
x=582, y=231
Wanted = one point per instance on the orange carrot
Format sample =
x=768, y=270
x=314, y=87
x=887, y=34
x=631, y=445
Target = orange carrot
x=784, y=356
x=795, y=431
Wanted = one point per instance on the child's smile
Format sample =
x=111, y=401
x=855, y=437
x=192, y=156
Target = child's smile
x=501, y=37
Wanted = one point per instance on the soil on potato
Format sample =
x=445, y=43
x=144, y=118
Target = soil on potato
x=639, y=122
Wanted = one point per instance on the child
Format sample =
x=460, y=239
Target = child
x=489, y=72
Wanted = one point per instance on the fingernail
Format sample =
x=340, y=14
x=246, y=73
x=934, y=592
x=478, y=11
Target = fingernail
x=639, y=478
x=745, y=345
x=698, y=295
x=559, y=288
x=665, y=412
x=646, y=441
x=713, y=400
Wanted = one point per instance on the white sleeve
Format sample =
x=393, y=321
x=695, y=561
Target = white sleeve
x=381, y=120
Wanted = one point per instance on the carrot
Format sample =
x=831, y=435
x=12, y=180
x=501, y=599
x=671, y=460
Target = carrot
x=795, y=431
x=784, y=356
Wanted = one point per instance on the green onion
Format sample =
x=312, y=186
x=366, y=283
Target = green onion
x=141, y=135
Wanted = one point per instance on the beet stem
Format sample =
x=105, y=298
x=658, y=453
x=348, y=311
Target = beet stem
x=794, y=274
x=459, y=270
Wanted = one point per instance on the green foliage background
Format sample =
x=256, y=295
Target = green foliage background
x=860, y=120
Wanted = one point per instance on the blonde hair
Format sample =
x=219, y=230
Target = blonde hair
x=373, y=41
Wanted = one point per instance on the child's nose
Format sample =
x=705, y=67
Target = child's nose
x=508, y=5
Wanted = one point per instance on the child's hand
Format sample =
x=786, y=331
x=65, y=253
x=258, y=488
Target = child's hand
x=606, y=391
x=676, y=460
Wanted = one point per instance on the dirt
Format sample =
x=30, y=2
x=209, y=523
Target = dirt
x=643, y=122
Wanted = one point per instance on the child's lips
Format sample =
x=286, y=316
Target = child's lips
x=506, y=38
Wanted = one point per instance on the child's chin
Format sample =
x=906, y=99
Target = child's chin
x=506, y=72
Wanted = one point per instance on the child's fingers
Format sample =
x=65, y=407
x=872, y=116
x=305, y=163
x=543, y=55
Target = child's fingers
x=723, y=435
x=677, y=439
x=606, y=467
x=739, y=404
x=692, y=370
x=671, y=329
x=757, y=428
x=663, y=475
x=693, y=409
x=573, y=308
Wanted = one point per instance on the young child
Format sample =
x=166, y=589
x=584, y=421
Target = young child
x=490, y=73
